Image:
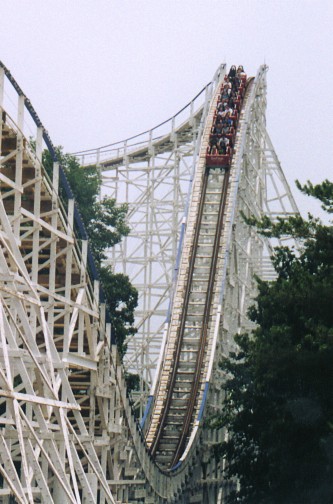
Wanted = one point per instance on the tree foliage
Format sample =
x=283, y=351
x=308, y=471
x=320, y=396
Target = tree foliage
x=105, y=222
x=122, y=300
x=278, y=406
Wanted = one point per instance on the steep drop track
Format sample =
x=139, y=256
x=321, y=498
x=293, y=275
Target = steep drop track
x=185, y=379
x=181, y=391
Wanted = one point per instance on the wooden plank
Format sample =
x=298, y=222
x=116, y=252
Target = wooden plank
x=38, y=400
x=47, y=226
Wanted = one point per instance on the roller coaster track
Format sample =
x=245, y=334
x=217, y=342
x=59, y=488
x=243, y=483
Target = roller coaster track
x=67, y=429
x=185, y=380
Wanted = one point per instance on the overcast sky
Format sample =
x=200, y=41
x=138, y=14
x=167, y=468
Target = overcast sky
x=98, y=71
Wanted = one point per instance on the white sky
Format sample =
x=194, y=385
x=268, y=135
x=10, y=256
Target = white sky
x=98, y=71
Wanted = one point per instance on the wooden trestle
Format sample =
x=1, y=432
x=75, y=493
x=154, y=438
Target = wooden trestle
x=67, y=432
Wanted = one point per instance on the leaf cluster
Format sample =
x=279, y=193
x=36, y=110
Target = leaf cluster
x=278, y=407
x=122, y=299
x=323, y=192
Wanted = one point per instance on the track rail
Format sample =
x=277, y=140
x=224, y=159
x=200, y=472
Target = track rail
x=180, y=337
x=183, y=390
x=204, y=331
x=202, y=269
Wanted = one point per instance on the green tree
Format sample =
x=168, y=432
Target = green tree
x=278, y=407
x=122, y=299
x=105, y=223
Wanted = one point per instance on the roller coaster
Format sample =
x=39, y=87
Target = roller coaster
x=69, y=431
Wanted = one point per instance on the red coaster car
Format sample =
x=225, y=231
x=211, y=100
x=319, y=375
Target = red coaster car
x=215, y=160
